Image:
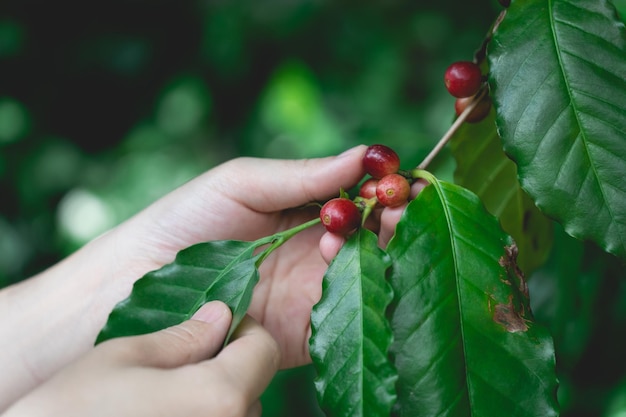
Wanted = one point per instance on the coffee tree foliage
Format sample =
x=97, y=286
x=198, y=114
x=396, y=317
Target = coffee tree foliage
x=502, y=290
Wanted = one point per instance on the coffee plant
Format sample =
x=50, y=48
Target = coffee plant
x=438, y=323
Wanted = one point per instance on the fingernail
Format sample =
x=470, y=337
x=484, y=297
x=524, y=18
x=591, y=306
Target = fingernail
x=351, y=151
x=211, y=312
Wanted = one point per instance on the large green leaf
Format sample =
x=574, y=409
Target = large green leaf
x=350, y=333
x=558, y=79
x=464, y=340
x=219, y=270
x=482, y=167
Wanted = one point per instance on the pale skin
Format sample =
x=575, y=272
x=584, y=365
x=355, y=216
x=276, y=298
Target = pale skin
x=48, y=323
x=175, y=372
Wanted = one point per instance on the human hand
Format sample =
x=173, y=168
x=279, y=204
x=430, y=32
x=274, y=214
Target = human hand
x=177, y=371
x=382, y=221
x=246, y=199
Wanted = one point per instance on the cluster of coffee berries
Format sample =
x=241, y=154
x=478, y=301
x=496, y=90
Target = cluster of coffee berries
x=386, y=186
x=390, y=188
x=463, y=80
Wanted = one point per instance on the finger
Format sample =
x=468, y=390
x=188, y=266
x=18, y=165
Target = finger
x=250, y=361
x=330, y=244
x=189, y=342
x=391, y=216
x=418, y=186
x=281, y=184
x=388, y=220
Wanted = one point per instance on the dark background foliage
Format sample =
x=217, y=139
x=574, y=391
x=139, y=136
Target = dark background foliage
x=105, y=106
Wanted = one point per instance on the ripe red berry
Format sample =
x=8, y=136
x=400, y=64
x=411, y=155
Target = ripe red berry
x=480, y=111
x=393, y=190
x=368, y=188
x=463, y=79
x=340, y=215
x=380, y=160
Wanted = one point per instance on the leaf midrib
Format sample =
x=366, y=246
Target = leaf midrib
x=234, y=262
x=454, y=250
x=576, y=111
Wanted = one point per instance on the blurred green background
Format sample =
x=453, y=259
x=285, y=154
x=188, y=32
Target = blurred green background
x=106, y=106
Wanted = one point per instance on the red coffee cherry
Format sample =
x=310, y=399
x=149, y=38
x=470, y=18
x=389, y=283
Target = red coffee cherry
x=380, y=160
x=340, y=215
x=368, y=188
x=393, y=190
x=480, y=111
x=463, y=79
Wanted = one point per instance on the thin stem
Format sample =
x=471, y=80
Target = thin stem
x=481, y=53
x=420, y=173
x=281, y=237
x=366, y=205
x=479, y=56
x=452, y=130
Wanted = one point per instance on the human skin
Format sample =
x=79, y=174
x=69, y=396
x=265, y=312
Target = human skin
x=50, y=320
x=179, y=371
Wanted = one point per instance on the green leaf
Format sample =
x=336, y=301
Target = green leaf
x=464, y=340
x=223, y=270
x=350, y=333
x=483, y=168
x=558, y=80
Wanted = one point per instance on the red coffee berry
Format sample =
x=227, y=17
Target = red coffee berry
x=380, y=160
x=393, y=190
x=463, y=79
x=368, y=188
x=340, y=215
x=480, y=111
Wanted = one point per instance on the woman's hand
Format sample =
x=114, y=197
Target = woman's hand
x=177, y=371
x=246, y=199
x=64, y=307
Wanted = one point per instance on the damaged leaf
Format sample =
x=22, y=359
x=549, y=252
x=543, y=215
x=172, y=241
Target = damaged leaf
x=483, y=168
x=464, y=338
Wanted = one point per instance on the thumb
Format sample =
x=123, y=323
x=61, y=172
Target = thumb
x=280, y=184
x=194, y=340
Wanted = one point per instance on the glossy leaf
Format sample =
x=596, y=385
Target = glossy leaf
x=464, y=340
x=219, y=270
x=558, y=80
x=483, y=168
x=350, y=333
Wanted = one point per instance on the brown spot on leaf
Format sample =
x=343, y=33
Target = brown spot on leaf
x=509, y=317
x=509, y=262
x=515, y=314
